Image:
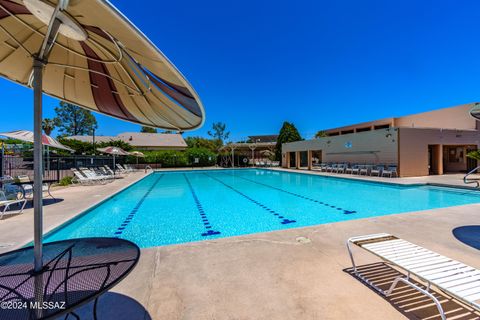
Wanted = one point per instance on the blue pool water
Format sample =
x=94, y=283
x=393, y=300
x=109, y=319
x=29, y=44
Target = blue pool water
x=177, y=207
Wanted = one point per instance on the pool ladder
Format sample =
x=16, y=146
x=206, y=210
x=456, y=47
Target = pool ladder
x=469, y=181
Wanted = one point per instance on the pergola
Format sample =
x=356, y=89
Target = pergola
x=245, y=147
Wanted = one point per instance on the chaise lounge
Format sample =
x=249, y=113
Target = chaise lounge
x=454, y=278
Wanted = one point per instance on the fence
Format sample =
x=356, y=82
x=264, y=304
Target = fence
x=55, y=168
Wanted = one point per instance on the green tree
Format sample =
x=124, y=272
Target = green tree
x=72, y=120
x=148, y=130
x=219, y=132
x=80, y=147
x=288, y=133
x=115, y=143
x=199, y=142
x=474, y=155
x=320, y=134
x=48, y=125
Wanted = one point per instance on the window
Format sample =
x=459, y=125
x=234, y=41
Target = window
x=455, y=154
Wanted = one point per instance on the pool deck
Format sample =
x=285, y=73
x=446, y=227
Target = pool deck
x=269, y=275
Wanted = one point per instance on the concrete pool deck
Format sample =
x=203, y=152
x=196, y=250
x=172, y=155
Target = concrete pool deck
x=290, y=274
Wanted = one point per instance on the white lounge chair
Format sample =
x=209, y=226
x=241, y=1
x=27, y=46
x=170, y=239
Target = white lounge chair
x=94, y=176
x=452, y=277
x=6, y=203
x=82, y=179
x=120, y=169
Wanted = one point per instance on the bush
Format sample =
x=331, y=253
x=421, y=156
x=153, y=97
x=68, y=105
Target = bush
x=65, y=181
x=167, y=158
x=205, y=157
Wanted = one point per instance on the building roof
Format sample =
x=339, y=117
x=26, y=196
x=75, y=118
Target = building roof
x=264, y=138
x=140, y=139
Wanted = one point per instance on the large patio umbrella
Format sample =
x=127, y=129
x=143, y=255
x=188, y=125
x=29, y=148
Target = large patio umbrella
x=89, y=54
x=114, y=151
x=137, y=154
x=28, y=136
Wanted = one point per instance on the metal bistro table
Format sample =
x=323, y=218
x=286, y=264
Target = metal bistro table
x=25, y=183
x=75, y=272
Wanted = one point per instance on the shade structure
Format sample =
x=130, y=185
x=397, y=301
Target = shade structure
x=98, y=60
x=89, y=54
x=27, y=136
x=114, y=150
x=137, y=154
x=475, y=111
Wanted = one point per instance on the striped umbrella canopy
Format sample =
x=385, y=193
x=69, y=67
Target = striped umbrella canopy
x=89, y=54
x=114, y=150
x=27, y=136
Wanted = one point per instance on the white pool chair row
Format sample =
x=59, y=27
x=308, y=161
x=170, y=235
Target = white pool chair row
x=88, y=177
x=454, y=278
x=6, y=202
x=359, y=169
x=266, y=163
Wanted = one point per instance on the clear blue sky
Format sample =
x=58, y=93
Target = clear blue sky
x=318, y=64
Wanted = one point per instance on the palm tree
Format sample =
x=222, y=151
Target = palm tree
x=48, y=125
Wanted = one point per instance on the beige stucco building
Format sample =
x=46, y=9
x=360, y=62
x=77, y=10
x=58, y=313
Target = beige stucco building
x=434, y=142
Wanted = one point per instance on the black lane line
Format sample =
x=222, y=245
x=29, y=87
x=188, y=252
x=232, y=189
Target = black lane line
x=203, y=215
x=293, y=194
x=276, y=214
x=135, y=209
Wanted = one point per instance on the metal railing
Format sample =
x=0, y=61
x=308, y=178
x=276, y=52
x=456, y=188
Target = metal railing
x=470, y=181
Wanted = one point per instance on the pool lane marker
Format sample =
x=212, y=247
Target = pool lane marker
x=135, y=209
x=293, y=194
x=203, y=215
x=276, y=214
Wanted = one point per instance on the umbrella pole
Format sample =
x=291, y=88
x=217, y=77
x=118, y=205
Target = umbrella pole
x=37, y=164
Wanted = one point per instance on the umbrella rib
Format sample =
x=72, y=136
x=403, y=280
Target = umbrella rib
x=112, y=39
x=56, y=43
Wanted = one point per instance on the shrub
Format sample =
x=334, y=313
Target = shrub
x=65, y=181
x=205, y=157
x=167, y=158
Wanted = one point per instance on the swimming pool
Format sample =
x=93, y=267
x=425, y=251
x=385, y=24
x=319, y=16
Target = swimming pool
x=177, y=207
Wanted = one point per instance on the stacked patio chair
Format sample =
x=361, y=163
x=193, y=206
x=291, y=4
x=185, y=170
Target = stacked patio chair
x=376, y=171
x=363, y=170
x=391, y=171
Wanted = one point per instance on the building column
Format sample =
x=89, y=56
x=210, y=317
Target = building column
x=309, y=159
x=297, y=159
x=287, y=160
x=439, y=158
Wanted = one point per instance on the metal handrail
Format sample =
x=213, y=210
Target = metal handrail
x=466, y=181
